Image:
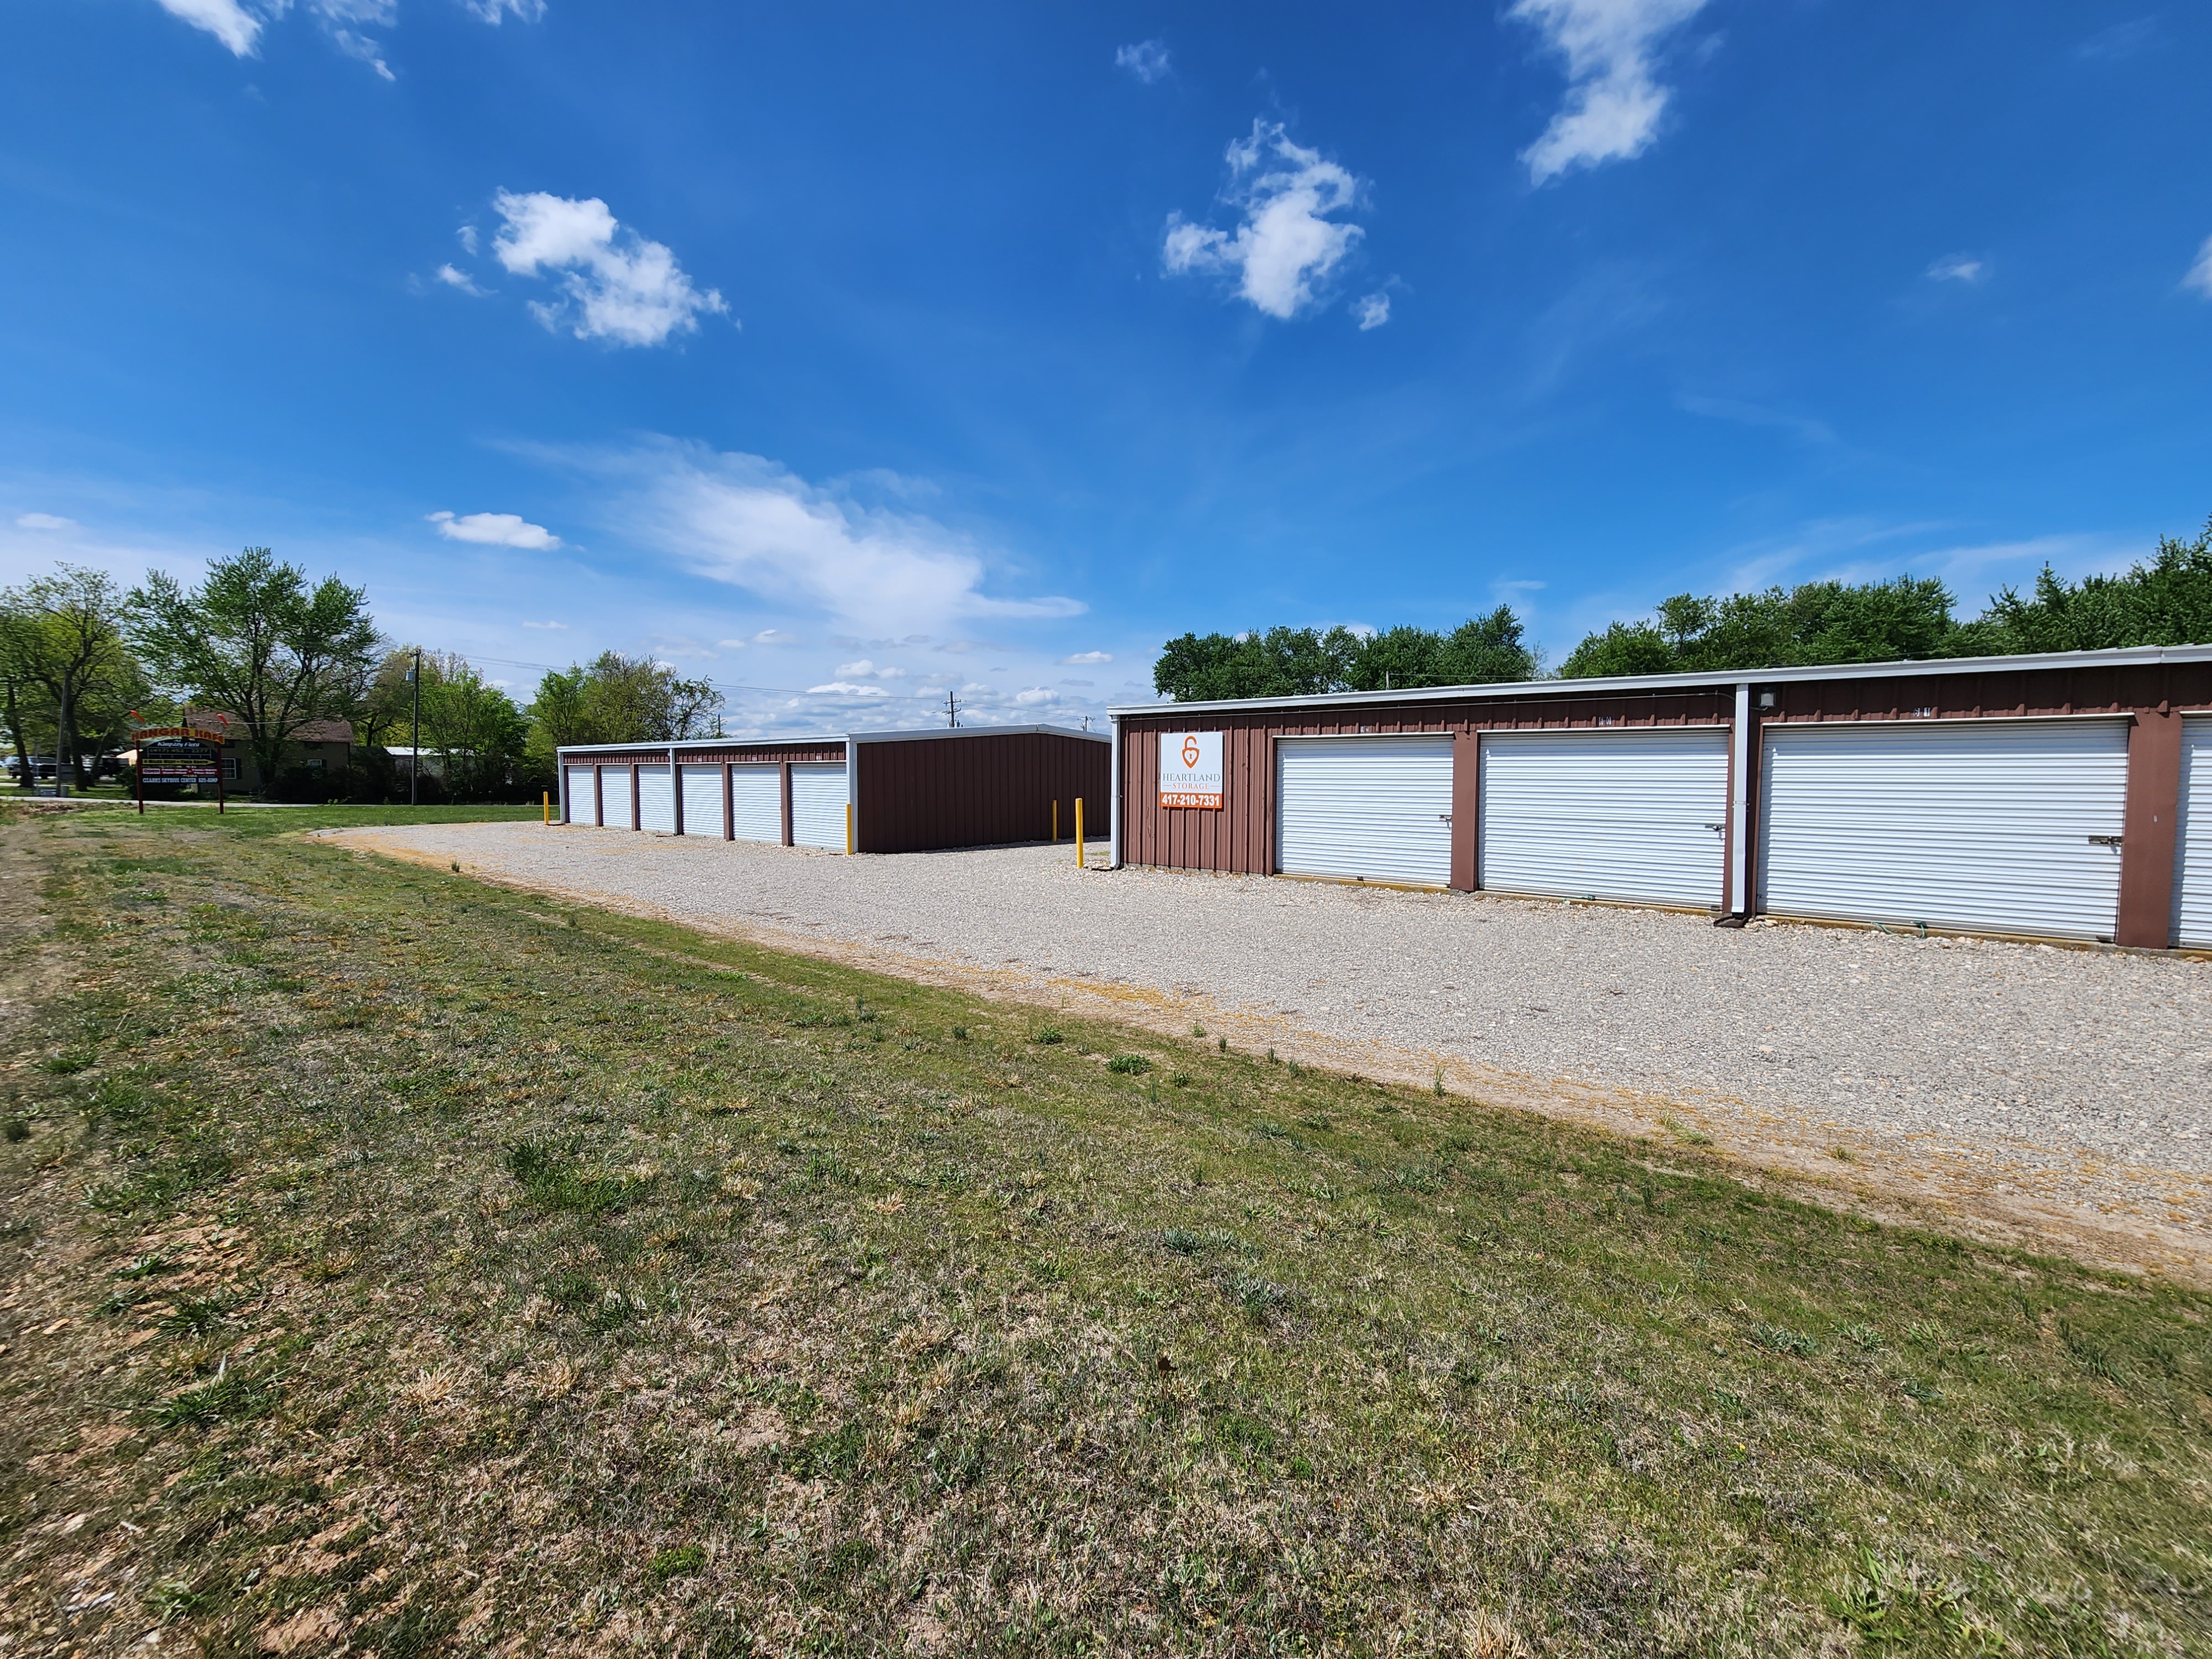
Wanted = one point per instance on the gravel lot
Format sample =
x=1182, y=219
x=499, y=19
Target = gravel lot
x=2076, y=1075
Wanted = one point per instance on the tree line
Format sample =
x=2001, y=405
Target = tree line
x=2166, y=599
x=84, y=663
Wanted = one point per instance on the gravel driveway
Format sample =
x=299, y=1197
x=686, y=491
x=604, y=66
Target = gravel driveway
x=2077, y=1081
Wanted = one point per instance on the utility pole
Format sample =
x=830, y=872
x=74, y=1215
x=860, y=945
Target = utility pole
x=414, y=750
x=951, y=711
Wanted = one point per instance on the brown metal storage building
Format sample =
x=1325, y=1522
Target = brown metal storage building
x=2047, y=796
x=866, y=792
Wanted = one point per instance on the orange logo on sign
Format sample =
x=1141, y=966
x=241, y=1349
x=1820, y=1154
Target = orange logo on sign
x=1190, y=750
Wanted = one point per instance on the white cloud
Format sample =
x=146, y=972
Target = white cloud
x=495, y=530
x=459, y=279
x=840, y=687
x=1086, y=657
x=1614, y=103
x=2199, y=279
x=226, y=20
x=1036, y=696
x=468, y=235
x=545, y=624
x=1286, y=243
x=774, y=636
x=44, y=521
x=743, y=520
x=1371, y=311
x=1147, y=60
x=865, y=669
x=238, y=24
x=1960, y=268
x=617, y=285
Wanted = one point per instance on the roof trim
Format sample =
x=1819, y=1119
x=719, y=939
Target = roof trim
x=824, y=739
x=2139, y=656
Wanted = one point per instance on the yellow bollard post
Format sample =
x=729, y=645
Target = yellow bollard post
x=549, y=808
x=1055, y=820
x=848, y=826
x=1079, y=832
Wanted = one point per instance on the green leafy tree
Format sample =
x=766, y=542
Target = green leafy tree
x=1481, y=651
x=474, y=728
x=2165, y=601
x=1282, y=662
x=61, y=636
x=1294, y=662
x=257, y=642
x=1908, y=618
x=618, y=699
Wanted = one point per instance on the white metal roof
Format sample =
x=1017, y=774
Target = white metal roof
x=2131, y=657
x=825, y=740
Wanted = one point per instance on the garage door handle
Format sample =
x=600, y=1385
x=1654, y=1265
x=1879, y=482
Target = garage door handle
x=1717, y=829
x=1444, y=817
x=2104, y=841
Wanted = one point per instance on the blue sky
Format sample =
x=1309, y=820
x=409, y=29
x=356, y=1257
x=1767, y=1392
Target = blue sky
x=896, y=349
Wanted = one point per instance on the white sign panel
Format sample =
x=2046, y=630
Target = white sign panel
x=1190, y=768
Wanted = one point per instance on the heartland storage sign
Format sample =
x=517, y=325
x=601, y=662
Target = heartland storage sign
x=1190, y=768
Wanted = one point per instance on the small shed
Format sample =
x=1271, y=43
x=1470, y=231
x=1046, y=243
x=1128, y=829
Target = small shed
x=852, y=791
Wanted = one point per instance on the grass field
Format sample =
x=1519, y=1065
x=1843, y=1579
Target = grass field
x=399, y=1264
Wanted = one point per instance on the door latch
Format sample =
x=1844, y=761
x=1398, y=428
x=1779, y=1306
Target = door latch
x=2112, y=841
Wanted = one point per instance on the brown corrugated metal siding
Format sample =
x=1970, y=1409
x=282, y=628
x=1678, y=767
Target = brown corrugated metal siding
x=1239, y=837
x=979, y=790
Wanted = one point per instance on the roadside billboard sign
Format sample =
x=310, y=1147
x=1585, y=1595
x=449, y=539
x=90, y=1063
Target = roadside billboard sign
x=1190, y=770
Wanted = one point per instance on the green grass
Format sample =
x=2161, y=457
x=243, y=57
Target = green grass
x=493, y=1274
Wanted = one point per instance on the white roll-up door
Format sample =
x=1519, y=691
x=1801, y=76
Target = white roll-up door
x=656, y=799
x=1370, y=809
x=702, y=801
x=817, y=805
x=756, y=802
x=2009, y=826
x=1637, y=813
x=2193, y=852
x=582, y=800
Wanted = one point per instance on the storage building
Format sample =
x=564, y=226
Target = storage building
x=2059, y=796
x=865, y=792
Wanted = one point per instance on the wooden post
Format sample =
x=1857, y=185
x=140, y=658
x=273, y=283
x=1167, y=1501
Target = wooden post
x=1079, y=832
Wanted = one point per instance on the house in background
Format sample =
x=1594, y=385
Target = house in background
x=322, y=748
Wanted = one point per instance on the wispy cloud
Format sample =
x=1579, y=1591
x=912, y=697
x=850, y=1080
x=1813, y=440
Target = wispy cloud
x=2199, y=279
x=2120, y=42
x=1083, y=658
x=1967, y=268
x=561, y=625
x=616, y=285
x=495, y=530
x=461, y=280
x=1147, y=60
x=1614, y=100
x=238, y=24
x=1746, y=414
x=44, y=521
x=1371, y=311
x=882, y=571
x=1285, y=245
